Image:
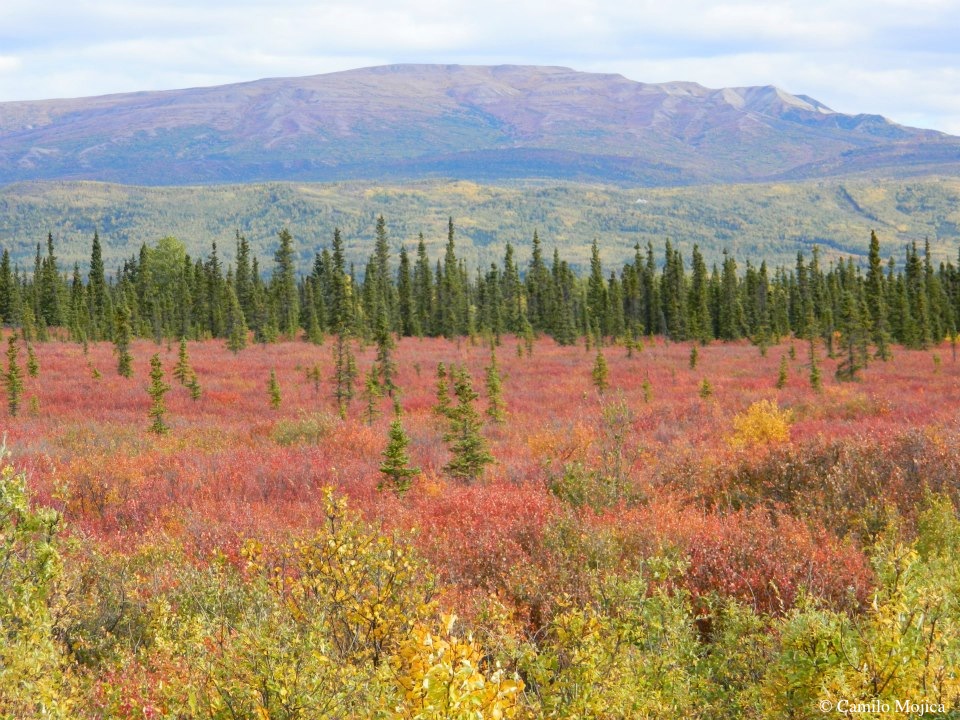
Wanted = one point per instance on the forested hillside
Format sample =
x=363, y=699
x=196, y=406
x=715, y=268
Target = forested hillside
x=769, y=222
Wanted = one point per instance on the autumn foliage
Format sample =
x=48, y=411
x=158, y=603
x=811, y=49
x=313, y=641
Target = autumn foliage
x=251, y=559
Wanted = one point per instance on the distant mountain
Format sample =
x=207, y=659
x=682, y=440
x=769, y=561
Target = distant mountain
x=478, y=123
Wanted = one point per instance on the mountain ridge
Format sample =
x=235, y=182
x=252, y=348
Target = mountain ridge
x=500, y=122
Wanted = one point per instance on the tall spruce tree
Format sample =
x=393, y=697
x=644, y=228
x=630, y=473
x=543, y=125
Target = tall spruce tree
x=284, y=286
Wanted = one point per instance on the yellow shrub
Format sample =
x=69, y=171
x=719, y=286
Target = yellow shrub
x=441, y=675
x=762, y=423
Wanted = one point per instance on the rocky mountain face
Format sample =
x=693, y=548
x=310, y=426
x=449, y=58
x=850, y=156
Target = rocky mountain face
x=470, y=122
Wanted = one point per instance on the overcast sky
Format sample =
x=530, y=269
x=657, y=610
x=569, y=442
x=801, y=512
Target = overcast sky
x=898, y=58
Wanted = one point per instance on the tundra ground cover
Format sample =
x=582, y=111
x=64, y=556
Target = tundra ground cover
x=761, y=511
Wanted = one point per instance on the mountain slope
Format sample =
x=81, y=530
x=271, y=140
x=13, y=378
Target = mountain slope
x=411, y=121
x=771, y=221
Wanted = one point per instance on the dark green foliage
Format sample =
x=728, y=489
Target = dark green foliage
x=815, y=379
x=372, y=393
x=33, y=367
x=165, y=293
x=13, y=378
x=236, y=325
x=706, y=389
x=694, y=356
x=182, y=371
x=396, y=467
x=194, y=387
x=284, y=286
x=158, y=388
x=344, y=373
x=600, y=372
x=122, y=340
x=442, y=408
x=782, y=373
x=467, y=444
x=495, y=408
x=273, y=388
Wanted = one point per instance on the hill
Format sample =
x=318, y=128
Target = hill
x=481, y=123
x=757, y=221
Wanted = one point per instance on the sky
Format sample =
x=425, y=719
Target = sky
x=898, y=58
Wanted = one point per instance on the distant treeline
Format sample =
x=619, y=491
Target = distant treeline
x=164, y=293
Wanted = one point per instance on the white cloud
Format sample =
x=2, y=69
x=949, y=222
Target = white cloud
x=894, y=57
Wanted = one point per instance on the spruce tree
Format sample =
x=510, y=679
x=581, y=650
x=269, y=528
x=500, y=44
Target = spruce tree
x=344, y=373
x=782, y=373
x=122, y=339
x=386, y=366
x=194, y=386
x=495, y=408
x=372, y=393
x=33, y=367
x=236, y=324
x=273, y=387
x=396, y=467
x=443, y=406
x=694, y=356
x=815, y=379
x=706, y=389
x=13, y=378
x=600, y=372
x=182, y=370
x=469, y=448
x=876, y=300
x=158, y=388
x=284, y=286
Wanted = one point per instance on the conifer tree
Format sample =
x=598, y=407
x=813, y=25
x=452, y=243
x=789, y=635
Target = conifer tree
x=782, y=373
x=876, y=300
x=344, y=373
x=647, y=388
x=284, y=288
x=694, y=356
x=13, y=378
x=443, y=405
x=469, y=448
x=122, y=341
x=600, y=372
x=386, y=366
x=182, y=370
x=396, y=467
x=158, y=388
x=194, y=386
x=815, y=379
x=706, y=389
x=371, y=395
x=33, y=367
x=273, y=387
x=495, y=408
x=236, y=325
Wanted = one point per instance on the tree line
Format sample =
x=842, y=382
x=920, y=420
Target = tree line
x=164, y=293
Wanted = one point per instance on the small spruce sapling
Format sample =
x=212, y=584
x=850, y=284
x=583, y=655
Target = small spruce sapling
x=396, y=467
x=182, y=370
x=158, y=388
x=600, y=372
x=442, y=408
x=469, y=448
x=33, y=367
x=782, y=373
x=273, y=387
x=706, y=389
x=13, y=378
x=495, y=408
